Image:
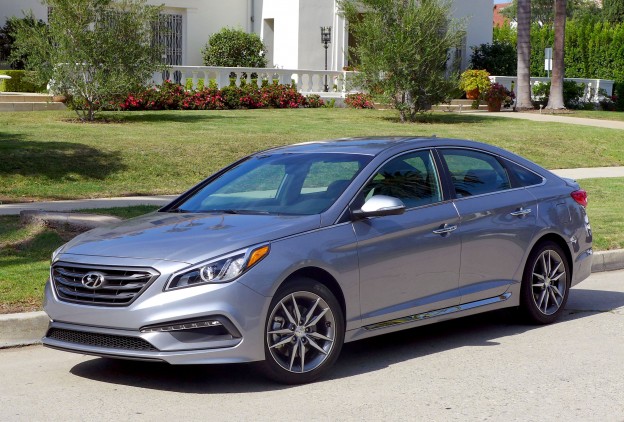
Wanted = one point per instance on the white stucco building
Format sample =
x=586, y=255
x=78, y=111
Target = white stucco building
x=289, y=28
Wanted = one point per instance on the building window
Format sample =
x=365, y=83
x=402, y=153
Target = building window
x=169, y=34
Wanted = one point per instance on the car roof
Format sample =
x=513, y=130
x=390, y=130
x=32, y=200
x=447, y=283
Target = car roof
x=370, y=145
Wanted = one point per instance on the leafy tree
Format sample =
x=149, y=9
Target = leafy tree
x=555, y=100
x=233, y=47
x=403, y=48
x=523, y=99
x=613, y=10
x=543, y=10
x=7, y=39
x=498, y=58
x=93, y=51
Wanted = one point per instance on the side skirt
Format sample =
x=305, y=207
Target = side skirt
x=424, y=318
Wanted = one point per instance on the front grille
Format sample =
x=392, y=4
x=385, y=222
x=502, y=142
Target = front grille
x=106, y=341
x=117, y=287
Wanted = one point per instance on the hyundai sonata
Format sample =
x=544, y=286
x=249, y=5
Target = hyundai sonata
x=286, y=254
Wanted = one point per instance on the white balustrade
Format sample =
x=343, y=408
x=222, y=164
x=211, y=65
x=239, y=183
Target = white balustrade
x=307, y=81
x=592, y=86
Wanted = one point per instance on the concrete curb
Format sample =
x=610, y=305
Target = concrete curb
x=61, y=220
x=76, y=204
x=22, y=329
x=608, y=261
x=27, y=328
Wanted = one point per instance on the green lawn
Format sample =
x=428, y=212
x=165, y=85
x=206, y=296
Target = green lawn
x=25, y=257
x=605, y=205
x=601, y=115
x=45, y=155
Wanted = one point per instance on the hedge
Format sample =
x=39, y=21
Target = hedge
x=593, y=49
x=18, y=82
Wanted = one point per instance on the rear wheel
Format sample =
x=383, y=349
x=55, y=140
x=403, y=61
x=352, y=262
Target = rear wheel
x=304, y=332
x=545, y=284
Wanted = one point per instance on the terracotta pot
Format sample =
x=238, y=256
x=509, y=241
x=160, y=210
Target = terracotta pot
x=494, y=105
x=473, y=94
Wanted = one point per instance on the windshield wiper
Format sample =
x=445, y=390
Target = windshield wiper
x=234, y=211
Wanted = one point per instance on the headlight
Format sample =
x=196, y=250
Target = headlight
x=220, y=270
x=56, y=253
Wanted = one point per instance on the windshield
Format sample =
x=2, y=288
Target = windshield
x=298, y=184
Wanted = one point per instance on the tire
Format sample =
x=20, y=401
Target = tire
x=304, y=332
x=545, y=284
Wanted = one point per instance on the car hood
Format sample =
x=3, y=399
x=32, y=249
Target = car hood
x=189, y=238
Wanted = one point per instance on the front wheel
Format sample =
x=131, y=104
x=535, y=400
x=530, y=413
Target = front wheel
x=304, y=332
x=545, y=284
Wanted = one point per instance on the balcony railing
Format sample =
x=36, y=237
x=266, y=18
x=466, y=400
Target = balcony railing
x=592, y=86
x=307, y=81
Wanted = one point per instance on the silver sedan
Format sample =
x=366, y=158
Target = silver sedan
x=284, y=255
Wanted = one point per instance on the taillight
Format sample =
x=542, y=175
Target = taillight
x=580, y=196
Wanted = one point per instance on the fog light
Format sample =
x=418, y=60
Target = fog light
x=180, y=327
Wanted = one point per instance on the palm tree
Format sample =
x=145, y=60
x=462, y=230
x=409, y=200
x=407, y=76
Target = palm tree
x=523, y=100
x=555, y=100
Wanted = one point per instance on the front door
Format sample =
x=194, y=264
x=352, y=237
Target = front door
x=409, y=263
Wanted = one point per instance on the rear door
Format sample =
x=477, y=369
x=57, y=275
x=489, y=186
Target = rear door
x=409, y=263
x=498, y=221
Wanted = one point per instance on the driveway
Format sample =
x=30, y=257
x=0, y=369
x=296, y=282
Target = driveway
x=486, y=367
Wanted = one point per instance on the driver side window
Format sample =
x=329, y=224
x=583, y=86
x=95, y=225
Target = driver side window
x=412, y=178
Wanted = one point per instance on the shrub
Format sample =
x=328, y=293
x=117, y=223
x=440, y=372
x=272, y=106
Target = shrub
x=233, y=47
x=171, y=96
x=359, y=100
x=231, y=96
x=7, y=39
x=205, y=99
x=497, y=93
x=472, y=79
x=315, y=101
x=572, y=94
x=498, y=58
x=93, y=50
x=19, y=82
x=402, y=50
x=618, y=96
x=188, y=84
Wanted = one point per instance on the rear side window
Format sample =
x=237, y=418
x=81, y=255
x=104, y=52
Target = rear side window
x=474, y=172
x=523, y=176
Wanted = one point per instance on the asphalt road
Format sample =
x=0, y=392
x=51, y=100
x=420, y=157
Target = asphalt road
x=487, y=367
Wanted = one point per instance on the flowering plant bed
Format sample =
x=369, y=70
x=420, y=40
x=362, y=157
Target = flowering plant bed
x=171, y=96
x=359, y=100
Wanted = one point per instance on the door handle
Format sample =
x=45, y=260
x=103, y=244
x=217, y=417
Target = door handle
x=445, y=229
x=521, y=212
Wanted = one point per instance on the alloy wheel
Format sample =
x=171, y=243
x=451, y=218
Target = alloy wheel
x=301, y=332
x=549, y=282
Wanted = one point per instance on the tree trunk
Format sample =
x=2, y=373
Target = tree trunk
x=523, y=87
x=555, y=100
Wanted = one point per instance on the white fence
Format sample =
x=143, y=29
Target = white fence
x=592, y=86
x=307, y=81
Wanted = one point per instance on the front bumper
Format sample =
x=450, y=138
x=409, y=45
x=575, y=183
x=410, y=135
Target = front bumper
x=124, y=332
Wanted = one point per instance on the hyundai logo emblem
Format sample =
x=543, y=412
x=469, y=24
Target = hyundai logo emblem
x=93, y=280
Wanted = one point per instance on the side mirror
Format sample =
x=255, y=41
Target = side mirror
x=378, y=206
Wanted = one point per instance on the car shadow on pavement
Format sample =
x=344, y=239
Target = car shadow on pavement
x=356, y=358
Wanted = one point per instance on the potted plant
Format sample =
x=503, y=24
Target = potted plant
x=496, y=95
x=474, y=82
